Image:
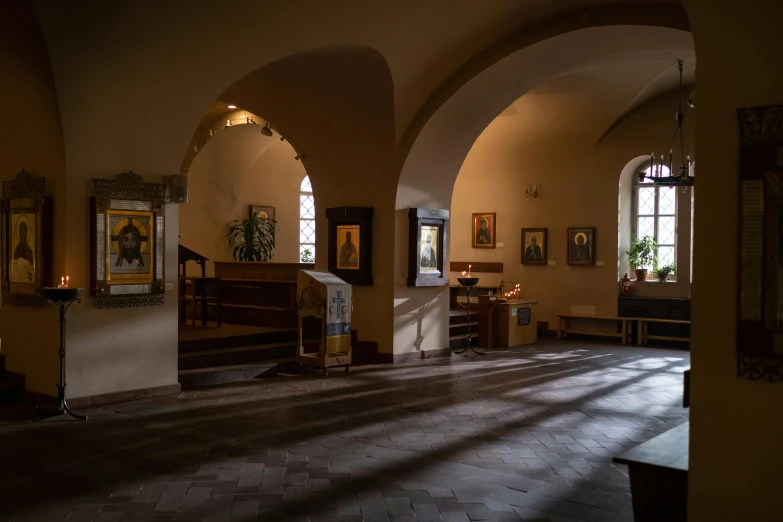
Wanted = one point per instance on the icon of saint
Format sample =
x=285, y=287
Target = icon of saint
x=129, y=246
x=428, y=259
x=482, y=235
x=348, y=255
x=533, y=251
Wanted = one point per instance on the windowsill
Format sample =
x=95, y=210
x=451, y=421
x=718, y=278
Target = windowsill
x=653, y=281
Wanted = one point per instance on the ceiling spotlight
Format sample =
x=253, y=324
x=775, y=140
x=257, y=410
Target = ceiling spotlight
x=231, y=106
x=298, y=157
x=266, y=129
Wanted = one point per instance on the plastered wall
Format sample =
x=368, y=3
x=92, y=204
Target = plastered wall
x=31, y=139
x=548, y=137
x=736, y=430
x=237, y=168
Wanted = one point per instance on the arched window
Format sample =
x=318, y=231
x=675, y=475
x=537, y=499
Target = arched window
x=306, y=222
x=655, y=215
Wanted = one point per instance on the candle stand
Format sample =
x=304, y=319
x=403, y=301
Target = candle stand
x=63, y=298
x=468, y=283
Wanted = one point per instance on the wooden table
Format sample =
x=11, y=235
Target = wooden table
x=659, y=476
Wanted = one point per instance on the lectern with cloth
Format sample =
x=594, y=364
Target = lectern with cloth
x=324, y=295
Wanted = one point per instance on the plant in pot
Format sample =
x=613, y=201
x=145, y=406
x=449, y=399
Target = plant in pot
x=666, y=270
x=642, y=253
x=254, y=238
x=307, y=256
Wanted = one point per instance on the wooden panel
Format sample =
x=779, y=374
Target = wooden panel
x=490, y=268
x=249, y=270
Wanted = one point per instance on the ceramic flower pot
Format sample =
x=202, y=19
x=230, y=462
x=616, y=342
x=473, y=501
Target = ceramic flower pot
x=641, y=274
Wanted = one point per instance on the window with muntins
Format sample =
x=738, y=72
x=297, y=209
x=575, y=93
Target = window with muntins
x=306, y=222
x=655, y=215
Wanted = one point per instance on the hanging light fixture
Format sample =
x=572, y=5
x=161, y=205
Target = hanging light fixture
x=658, y=172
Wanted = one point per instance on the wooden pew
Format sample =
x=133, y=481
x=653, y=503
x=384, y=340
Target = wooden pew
x=644, y=336
x=563, y=330
x=659, y=476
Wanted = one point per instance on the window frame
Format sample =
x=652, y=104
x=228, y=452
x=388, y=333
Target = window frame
x=304, y=219
x=656, y=213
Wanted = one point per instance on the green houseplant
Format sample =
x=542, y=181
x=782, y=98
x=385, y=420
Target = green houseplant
x=642, y=252
x=666, y=270
x=254, y=238
x=307, y=256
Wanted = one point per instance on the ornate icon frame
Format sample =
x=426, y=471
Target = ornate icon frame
x=128, y=193
x=28, y=194
x=427, y=217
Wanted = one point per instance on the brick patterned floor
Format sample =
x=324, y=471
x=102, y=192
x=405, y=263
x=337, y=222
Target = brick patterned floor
x=523, y=434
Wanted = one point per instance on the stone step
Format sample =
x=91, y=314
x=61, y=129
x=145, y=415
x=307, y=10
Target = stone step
x=225, y=357
x=224, y=374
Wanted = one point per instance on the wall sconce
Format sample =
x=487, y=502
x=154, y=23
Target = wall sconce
x=532, y=191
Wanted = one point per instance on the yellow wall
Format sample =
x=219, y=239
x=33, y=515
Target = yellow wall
x=548, y=137
x=238, y=167
x=736, y=430
x=31, y=138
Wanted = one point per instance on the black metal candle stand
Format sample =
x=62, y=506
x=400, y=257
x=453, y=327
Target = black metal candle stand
x=468, y=283
x=63, y=298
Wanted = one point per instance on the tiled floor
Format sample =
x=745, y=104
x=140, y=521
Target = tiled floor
x=524, y=434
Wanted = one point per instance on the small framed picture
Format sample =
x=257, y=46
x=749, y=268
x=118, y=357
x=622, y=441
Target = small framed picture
x=350, y=244
x=428, y=246
x=534, y=247
x=483, y=232
x=263, y=211
x=581, y=246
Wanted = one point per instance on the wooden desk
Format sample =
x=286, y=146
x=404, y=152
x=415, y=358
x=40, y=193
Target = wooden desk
x=509, y=330
x=659, y=476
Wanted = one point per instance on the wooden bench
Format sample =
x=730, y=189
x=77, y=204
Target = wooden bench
x=563, y=330
x=644, y=336
x=659, y=476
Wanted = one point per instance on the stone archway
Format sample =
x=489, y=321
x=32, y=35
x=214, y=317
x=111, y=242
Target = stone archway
x=433, y=152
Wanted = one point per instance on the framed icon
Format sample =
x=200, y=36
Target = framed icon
x=534, y=246
x=427, y=247
x=127, y=242
x=580, y=250
x=483, y=231
x=350, y=244
x=28, y=222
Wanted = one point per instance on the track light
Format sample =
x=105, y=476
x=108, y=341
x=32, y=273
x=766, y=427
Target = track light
x=266, y=129
x=298, y=157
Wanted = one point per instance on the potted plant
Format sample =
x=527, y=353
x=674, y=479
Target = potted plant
x=665, y=271
x=642, y=252
x=254, y=238
x=307, y=256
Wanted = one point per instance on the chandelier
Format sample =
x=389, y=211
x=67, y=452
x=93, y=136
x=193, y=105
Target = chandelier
x=657, y=173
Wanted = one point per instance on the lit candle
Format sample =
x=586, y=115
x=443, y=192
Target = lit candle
x=62, y=282
x=463, y=273
x=66, y=281
x=469, y=270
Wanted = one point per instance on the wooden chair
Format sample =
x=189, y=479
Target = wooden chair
x=206, y=290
